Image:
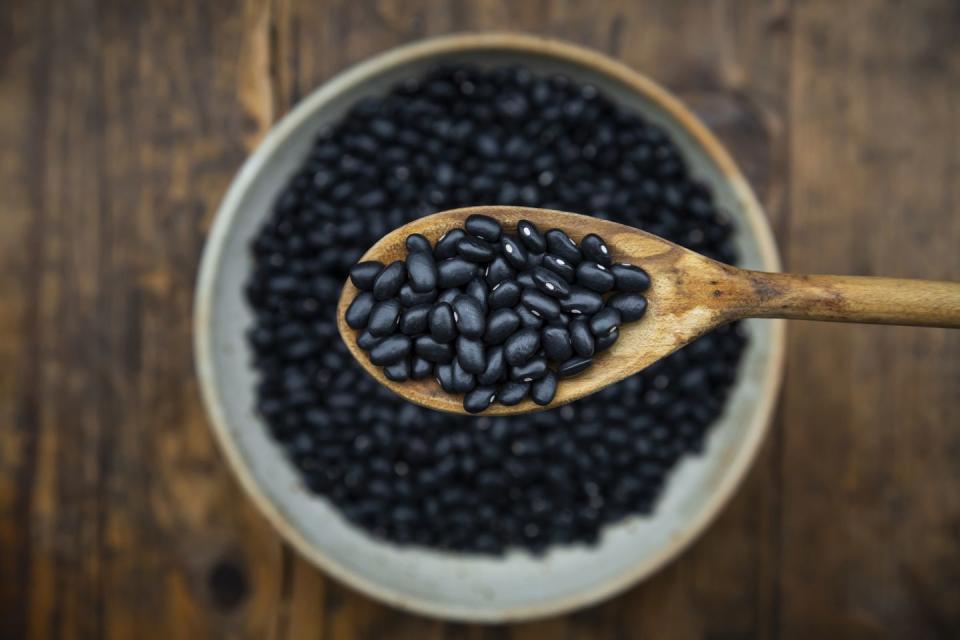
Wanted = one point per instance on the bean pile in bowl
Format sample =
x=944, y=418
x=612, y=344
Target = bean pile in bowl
x=463, y=136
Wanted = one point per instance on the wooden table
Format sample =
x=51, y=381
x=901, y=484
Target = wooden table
x=121, y=124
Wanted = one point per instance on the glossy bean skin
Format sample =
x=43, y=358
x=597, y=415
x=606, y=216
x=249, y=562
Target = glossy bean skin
x=387, y=284
x=557, y=343
x=632, y=306
x=455, y=272
x=422, y=271
x=630, y=278
x=390, y=350
x=521, y=346
x=358, y=313
x=530, y=235
x=581, y=338
x=483, y=227
x=363, y=274
x=559, y=244
x=504, y=294
x=417, y=242
x=594, y=248
x=441, y=323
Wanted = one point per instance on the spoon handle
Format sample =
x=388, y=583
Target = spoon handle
x=866, y=299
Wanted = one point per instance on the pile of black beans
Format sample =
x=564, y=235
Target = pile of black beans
x=486, y=311
x=462, y=136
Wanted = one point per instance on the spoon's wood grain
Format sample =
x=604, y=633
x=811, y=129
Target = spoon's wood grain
x=690, y=294
x=865, y=299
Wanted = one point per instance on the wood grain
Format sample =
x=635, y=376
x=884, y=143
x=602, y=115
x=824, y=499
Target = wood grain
x=121, y=125
x=871, y=441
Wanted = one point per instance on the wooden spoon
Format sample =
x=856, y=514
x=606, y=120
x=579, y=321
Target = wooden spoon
x=690, y=295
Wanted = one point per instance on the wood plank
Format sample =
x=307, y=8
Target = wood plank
x=18, y=365
x=125, y=123
x=871, y=511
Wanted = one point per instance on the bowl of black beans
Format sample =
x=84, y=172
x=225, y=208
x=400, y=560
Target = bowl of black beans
x=478, y=517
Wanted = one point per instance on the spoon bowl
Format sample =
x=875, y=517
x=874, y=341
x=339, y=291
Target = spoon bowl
x=690, y=294
x=669, y=323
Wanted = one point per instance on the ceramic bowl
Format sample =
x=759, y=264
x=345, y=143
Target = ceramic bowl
x=459, y=586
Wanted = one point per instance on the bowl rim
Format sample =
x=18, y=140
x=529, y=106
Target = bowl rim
x=357, y=74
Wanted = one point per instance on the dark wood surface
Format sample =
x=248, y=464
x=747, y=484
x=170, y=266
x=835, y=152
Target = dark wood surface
x=121, y=124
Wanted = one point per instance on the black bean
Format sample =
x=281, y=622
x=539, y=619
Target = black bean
x=478, y=290
x=604, y=321
x=521, y=346
x=581, y=338
x=444, y=374
x=363, y=274
x=525, y=280
x=560, y=267
x=367, y=340
x=542, y=391
x=594, y=248
x=540, y=304
x=470, y=355
x=420, y=368
x=501, y=324
x=629, y=278
x=476, y=250
x=479, y=399
x=358, y=313
x=484, y=227
x=498, y=271
x=391, y=350
x=410, y=298
x=449, y=296
x=463, y=380
x=563, y=320
x=504, y=294
x=496, y=367
x=455, y=272
x=422, y=271
x=560, y=245
x=573, y=366
x=513, y=251
x=531, y=237
x=550, y=283
x=447, y=245
x=430, y=349
x=581, y=302
x=398, y=371
x=631, y=306
x=557, y=343
x=418, y=242
x=595, y=277
x=534, y=260
x=512, y=393
x=413, y=321
x=384, y=318
x=443, y=328
x=388, y=283
x=527, y=318
x=606, y=341
x=529, y=371
x=468, y=316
